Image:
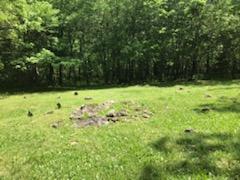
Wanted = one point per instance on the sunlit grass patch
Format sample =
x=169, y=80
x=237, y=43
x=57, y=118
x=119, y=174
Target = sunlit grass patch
x=158, y=147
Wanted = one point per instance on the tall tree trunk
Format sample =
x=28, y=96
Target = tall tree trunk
x=79, y=73
x=234, y=68
x=60, y=78
x=74, y=76
x=50, y=75
x=34, y=74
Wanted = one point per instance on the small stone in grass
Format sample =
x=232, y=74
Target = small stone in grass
x=115, y=119
x=30, y=114
x=24, y=97
x=75, y=93
x=147, y=112
x=82, y=107
x=137, y=109
x=50, y=112
x=88, y=98
x=127, y=102
x=59, y=105
x=180, y=89
x=56, y=125
x=208, y=96
x=205, y=109
x=122, y=113
x=146, y=116
x=111, y=113
x=73, y=143
x=189, y=130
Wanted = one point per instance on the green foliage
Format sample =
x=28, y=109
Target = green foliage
x=44, y=57
x=1, y=66
x=19, y=65
x=121, y=41
x=41, y=16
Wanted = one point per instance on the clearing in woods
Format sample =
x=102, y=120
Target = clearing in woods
x=172, y=131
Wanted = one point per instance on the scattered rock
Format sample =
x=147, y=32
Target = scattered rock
x=76, y=117
x=128, y=102
x=97, y=121
x=56, y=125
x=205, y=109
x=111, y=113
x=146, y=116
x=82, y=107
x=107, y=104
x=114, y=119
x=147, y=112
x=30, y=114
x=208, y=96
x=59, y=106
x=75, y=93
x=50, y=112
x=180, y=89
x=122, y=113
x=190, y=130
x=91, y=114
x=73, y=143
x=88, y=98
x=91, y=110
x=137, y=109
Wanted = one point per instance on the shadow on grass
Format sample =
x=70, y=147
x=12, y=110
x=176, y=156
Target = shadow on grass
x=223, y=104
x=225, y=88
x=200, y=156
x=15, y=91
x=12, y=91
x=150, y=172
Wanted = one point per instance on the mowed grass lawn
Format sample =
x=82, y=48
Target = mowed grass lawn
x=155, y=148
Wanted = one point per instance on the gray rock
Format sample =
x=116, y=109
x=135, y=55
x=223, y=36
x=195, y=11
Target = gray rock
x=122, y=113
x=88, y=98
x=114, y=119
x=147, y=112
x=75, y=93
x=50, y=112
x=146, y=116
x=205, y=109
x=208, y=96
x=111, y=113
x=30, y=114
x=59, y=106
x=56, y=125
x=137, y=109
x=189, y=130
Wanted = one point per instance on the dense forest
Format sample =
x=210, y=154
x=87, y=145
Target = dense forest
x=84, y=42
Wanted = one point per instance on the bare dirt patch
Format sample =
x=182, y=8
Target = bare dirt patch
x=108, y=112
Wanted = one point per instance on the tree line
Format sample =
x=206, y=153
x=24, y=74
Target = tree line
x=75, y=42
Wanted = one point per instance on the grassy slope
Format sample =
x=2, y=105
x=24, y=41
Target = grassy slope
x=155, y=148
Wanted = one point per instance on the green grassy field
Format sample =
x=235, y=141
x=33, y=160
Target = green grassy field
x=155, y=148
